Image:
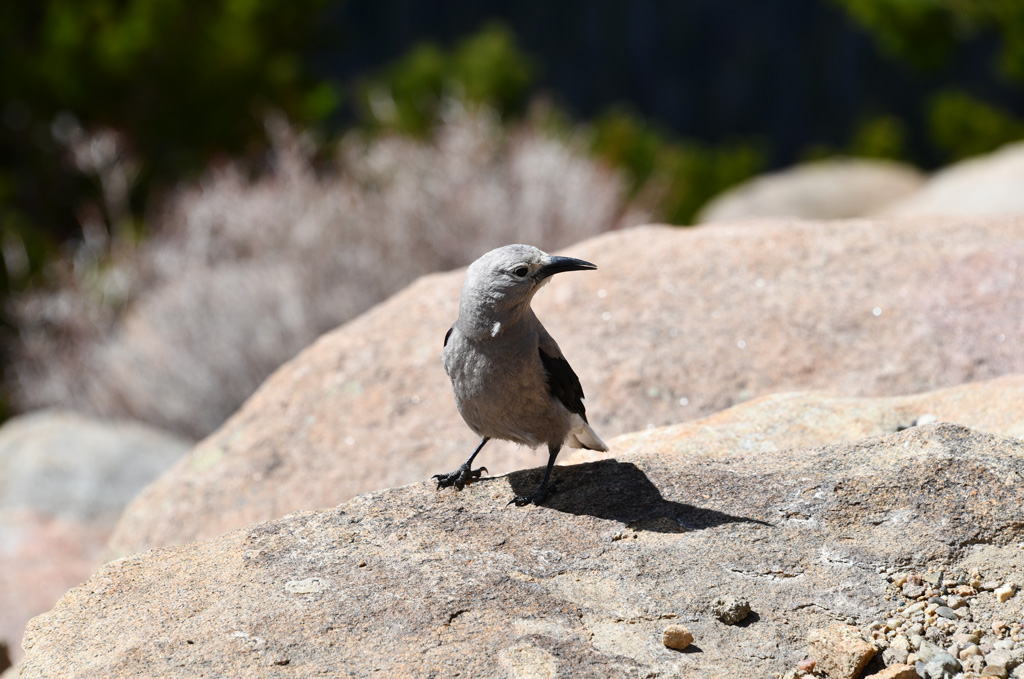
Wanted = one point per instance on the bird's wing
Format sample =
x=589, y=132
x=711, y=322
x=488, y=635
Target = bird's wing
x=562, y=381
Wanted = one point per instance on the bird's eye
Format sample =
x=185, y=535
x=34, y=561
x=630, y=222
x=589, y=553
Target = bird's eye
x=521, y=271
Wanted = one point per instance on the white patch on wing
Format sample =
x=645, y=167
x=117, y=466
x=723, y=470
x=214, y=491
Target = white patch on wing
x=495, y=329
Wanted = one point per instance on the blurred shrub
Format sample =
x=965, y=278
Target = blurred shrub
x=879, y=137
x=241, y=274
x=485, y=69
x=963, y=126
x=672, y=179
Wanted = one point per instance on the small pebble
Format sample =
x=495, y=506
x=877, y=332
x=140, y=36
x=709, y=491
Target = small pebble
x=974, y=664
x=894, y=656
x=940, y=666
x=1005, y=592
x=900, y=641
x=730, y=609
x=806, y=665
x=998, y=657
x=966, y=638
x=947, y=613
x=677, y=637
x=912, y=591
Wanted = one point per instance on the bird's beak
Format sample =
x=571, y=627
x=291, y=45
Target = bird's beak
x=560, y=264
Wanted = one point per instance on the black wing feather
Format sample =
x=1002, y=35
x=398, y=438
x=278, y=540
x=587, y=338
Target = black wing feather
x=564, y=384
x=447, y=335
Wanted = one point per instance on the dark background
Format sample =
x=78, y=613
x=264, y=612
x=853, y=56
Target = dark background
x=796, y=72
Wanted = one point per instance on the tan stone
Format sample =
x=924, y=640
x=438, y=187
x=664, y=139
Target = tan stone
x=676, y=637
x=841, y=651
x=895, y=672
x=1005, y=592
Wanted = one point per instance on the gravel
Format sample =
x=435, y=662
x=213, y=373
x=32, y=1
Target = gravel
x=948, y=624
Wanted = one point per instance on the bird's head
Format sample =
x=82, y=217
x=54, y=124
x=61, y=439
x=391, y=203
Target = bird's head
x=505, y=279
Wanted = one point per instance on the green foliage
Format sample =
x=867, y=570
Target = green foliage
x=882, y=136
x=486, y=68
x=673, y=178
x=921, y=32
x=924, y=32
x=181, y=79
x=962, y=126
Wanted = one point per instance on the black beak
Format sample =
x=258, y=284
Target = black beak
x=560, y=264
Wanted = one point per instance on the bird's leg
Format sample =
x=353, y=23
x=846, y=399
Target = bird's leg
x=537, y=496
x=461, y=476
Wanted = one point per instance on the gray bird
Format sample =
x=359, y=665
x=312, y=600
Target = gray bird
x=510, y=379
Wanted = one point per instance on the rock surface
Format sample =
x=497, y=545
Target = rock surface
x=64, y=479
x=409, y=582
x=801, y=419
x=825, y=189
x=675, y=325
x=985, y=185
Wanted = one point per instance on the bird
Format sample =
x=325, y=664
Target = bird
x=509, y=377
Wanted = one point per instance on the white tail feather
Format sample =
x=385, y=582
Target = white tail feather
x=582, y=436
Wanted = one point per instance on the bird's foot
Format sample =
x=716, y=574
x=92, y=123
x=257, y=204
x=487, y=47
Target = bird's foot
x=536, y=497
x=458, y=478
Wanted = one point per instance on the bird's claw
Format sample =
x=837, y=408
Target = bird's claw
x=535, y=497
x=458, y=478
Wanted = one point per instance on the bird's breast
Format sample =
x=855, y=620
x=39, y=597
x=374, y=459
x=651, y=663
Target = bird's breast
x=501, y=389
